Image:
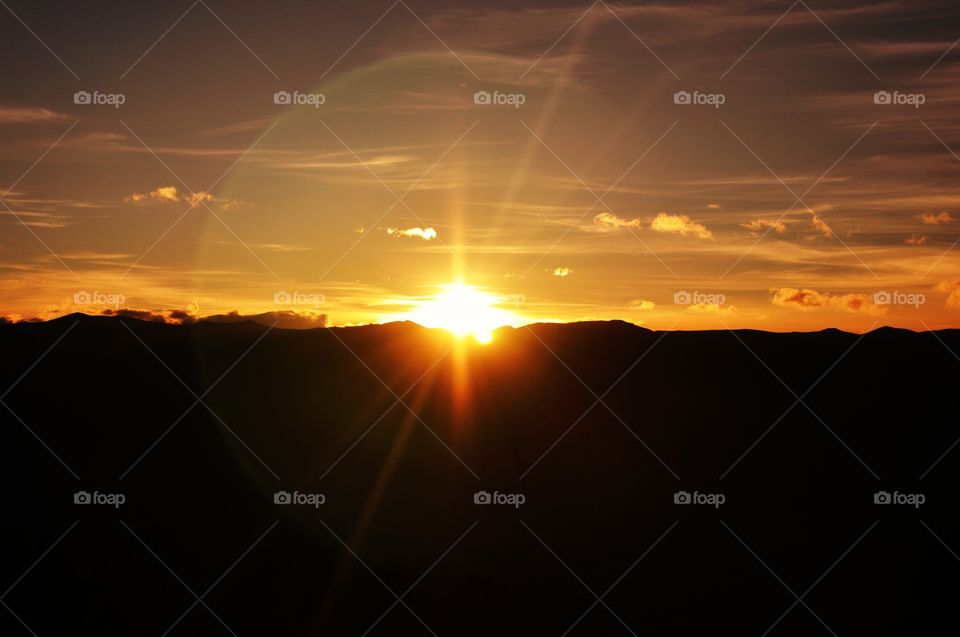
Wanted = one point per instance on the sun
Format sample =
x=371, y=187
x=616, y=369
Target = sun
x=463, y=310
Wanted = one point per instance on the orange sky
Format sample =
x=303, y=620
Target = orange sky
x=676, y=166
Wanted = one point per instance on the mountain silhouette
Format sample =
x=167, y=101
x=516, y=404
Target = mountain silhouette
x=399, y=431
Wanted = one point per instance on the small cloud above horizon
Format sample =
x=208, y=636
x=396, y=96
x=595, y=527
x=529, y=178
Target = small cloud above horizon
x=679, y=224
x=931, y=219
x=808, y=300
x=427, y=234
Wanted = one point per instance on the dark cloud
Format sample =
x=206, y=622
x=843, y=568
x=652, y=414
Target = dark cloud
x=140, y=315
x=286, y=319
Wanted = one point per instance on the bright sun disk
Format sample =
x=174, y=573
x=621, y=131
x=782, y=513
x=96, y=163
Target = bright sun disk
x=463, y=310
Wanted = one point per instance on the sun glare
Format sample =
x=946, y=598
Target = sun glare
x=465, y=311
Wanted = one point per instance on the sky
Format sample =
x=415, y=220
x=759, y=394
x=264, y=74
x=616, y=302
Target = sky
x=770, y=165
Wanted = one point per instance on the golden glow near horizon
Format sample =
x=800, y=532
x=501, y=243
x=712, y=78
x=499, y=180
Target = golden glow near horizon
x=464, y=311
x=578, y=182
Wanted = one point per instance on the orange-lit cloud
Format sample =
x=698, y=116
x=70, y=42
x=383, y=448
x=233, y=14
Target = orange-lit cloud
x=810, y=300
x=761, y=225
x=168, y=194
x=642, y=305
x=931, y=219
x=711, y=308
x=422, y=233
x=562, y=272
x=607, y=221
x=820, y=225
x=952, y=289
x=679, y=224
x=915, y=240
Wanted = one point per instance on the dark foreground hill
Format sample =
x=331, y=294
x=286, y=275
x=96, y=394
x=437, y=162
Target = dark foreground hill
x=589, y=438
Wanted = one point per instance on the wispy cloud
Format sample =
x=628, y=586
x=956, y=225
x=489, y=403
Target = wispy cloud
x=23, y=115
x=758, y=226
x=609, y=221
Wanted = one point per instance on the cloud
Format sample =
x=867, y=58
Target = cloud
x=170, y=194
x=197, y=198
x=19, y=115
x=711, y=308
x=952, y=289
x=642, y=305
x=608, y=221
x=931, y=219
x=284, y=319
x=163, y=194
x=758, y=225
x=562, y=272
x=713, y=206
x=424, y=233
x=820, y=225
x=915, y=240
x=679, y=224
x=140, y=315
x=810, y=300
